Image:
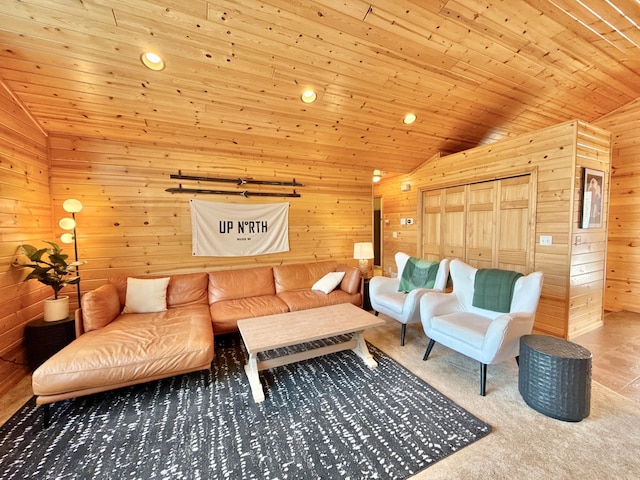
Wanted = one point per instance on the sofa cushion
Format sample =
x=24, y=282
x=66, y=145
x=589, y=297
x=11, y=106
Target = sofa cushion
x=304, y=299
x=100, y=307
x=187, y=289
x=131, y=349
x=183, y=289
x=226, y=313
x=242, y=283
x=301, y=276
x=351, y=281
x=148, y=295
x=329, y=282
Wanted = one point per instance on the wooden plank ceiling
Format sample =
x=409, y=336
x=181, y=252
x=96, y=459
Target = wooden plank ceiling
x=473, y=72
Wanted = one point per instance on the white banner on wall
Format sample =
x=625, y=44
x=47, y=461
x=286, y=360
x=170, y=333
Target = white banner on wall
x=233, y=230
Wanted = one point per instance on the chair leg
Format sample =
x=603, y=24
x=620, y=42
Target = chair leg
x=403, y=332
x=483, y=379
x=429, y=347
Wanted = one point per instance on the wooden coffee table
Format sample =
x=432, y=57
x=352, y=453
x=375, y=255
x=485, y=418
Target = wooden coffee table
x=286, y=329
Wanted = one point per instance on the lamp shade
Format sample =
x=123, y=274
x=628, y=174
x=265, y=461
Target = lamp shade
x=72, y=205
x=363, y=250
x=67, y=223
x=66, y=238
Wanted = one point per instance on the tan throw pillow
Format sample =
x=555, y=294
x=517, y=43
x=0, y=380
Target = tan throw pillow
x=146, y=295
x=100, y=307
x=327, y=283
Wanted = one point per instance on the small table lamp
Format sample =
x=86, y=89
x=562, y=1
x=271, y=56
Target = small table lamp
x=363, y=251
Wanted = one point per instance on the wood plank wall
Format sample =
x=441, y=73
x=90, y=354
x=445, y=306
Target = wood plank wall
x=557, y=153
x=588, y=245
x=623, y=254
x=25, y=217
x=131, y=226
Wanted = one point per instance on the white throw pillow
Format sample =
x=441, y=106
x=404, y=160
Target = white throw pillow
x=146, y=295
x=327, y=283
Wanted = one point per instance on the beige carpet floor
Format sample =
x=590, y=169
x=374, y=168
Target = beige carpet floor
x=524, y=444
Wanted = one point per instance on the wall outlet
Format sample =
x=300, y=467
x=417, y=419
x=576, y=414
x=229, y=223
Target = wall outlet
x=409, y=221
x=546, y=240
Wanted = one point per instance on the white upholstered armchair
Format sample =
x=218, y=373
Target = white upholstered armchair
x=486, y=335
x=403, y=307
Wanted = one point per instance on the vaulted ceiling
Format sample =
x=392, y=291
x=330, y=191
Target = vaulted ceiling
x=472, y=71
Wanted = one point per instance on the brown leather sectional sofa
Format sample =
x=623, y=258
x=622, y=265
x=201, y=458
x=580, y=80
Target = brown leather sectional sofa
x=115, y=349
x=254, y=292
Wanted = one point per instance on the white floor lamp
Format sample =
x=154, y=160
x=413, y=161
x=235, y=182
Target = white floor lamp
x=72, y=206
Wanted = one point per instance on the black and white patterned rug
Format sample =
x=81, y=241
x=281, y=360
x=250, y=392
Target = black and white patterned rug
x=327, y=418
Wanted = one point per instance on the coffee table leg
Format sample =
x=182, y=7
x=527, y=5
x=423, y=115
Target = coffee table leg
x=251, y=369
x=362, y=351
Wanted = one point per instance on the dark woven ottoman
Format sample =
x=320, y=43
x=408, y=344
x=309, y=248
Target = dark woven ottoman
x=555, y=377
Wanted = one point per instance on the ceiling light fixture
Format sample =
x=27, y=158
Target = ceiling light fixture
x=409, y=118
x=152, y=61
x=308, y=96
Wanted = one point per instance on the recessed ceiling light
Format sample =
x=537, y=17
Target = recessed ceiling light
x=152, y=61
x=409, y=118
x=309, y=96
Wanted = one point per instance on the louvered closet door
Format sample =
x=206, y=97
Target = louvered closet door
x=432, y=206
x=515, y=237
x=487, y=225
x=443, y=223
x=453, y=223
x=481, y=224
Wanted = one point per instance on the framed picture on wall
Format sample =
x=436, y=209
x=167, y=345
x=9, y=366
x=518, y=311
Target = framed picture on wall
x=592, y=198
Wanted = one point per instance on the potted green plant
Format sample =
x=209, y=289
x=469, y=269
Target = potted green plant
x=49, y=266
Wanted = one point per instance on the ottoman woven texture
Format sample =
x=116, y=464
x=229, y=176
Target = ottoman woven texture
x=555, y=377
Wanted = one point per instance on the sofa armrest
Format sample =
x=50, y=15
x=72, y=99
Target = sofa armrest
x=99, y=307
x=351, y=281
x=78, y=322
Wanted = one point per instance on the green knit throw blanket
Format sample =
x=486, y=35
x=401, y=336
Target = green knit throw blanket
x=493, y=289
x=418, y=273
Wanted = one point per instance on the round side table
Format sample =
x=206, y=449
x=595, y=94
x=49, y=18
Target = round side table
x=43, y=339
x=555, y=377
